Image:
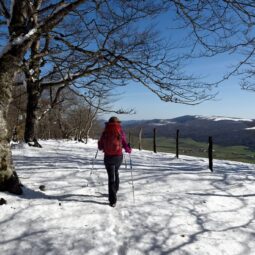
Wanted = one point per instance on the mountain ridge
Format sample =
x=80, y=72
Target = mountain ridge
x=226, y=131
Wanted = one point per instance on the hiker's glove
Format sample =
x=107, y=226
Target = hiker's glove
x=128, y=149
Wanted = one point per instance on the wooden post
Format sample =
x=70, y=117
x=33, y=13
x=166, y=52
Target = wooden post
x=140, y=139
x=177, y=143
x=154, y=141
x=129, y=137
x=210, y=153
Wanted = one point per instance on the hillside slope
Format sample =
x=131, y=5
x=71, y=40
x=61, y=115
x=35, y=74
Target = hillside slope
x=225, y=131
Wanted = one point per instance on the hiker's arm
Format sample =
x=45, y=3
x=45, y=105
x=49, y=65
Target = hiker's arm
x=125, y=145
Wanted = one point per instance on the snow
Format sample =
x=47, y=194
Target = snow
x=220, y=118
x=160, y=122
x=18, y=41
x=251, y=128
x=180, y=207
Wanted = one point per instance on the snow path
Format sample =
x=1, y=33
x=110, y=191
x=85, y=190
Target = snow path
x=180, y=207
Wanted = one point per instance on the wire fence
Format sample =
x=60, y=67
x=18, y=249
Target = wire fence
x=186, y=146
x=178, y=144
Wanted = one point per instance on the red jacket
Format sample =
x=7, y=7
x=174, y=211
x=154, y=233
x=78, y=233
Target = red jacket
x=114, y=126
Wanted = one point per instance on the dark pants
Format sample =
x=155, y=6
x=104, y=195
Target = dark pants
x=112, y=165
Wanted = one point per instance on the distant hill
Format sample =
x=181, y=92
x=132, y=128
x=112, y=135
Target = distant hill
x=224, y=130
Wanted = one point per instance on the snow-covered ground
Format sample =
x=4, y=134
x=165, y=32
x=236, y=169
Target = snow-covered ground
x=180, y=207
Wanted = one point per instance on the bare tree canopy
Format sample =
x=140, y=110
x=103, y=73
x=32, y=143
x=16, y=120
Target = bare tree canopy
x=222, y=26
x=110, y=44
x=104, y=44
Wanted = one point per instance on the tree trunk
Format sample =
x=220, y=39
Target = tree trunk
x=9, y=66
x=33, y=96
x=8, y=179
x=10, y=59
x=88, y=131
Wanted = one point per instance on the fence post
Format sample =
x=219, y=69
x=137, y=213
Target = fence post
x=210, y=153
x=154, y=141
x=129, y=137
x=177, y=143
x=140, y=139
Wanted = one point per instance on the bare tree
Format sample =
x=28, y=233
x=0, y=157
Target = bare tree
x=72, y=114
x=23, y=31
x=106, y=43
x=221, y=26
x=92, y=105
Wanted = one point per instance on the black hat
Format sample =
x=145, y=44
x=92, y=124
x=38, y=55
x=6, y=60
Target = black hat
x=113, y=119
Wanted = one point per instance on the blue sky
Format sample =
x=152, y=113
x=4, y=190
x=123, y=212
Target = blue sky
x=231, y=101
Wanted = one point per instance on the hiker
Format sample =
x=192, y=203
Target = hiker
x=112, y=141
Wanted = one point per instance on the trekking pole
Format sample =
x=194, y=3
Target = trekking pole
x=131, y=169
x=93, y=161
x=125, y=161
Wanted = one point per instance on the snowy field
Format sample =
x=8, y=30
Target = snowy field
x=180, y=207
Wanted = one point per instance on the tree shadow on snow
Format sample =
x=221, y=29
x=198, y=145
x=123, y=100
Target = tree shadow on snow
x=33, y=194
x=185, y=214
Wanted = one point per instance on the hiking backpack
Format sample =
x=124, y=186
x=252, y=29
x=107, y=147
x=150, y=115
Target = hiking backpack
x=112, y=141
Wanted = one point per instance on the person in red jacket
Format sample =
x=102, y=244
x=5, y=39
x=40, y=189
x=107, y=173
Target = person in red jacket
x=111, y=142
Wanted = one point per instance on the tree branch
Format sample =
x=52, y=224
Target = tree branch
x=4, y=10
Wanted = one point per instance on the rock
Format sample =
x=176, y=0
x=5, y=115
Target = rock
x=3, y=201
x=42, y=187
